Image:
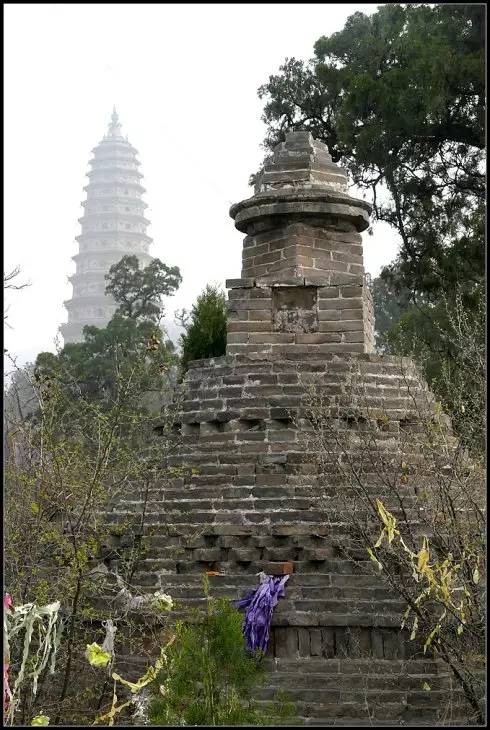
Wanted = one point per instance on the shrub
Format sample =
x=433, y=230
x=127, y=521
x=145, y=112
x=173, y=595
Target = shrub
x=210, y=676
x=205, y=328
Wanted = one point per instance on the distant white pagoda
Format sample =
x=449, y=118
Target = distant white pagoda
x=113, y=226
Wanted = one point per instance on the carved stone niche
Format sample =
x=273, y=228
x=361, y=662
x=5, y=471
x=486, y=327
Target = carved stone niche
x=295, y=309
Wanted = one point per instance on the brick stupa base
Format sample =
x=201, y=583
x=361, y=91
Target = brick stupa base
x=300, y=313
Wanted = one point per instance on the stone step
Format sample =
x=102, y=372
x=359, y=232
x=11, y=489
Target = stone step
x=334, y=710
x=249, y=580
x=315, y=665
x=339, y=567
x=357, y=682
x=409, y=719
x=294, y=593
x=362, y=693
x=259, y=498
x=299, y=532
x=358, y=608
x=259, y=511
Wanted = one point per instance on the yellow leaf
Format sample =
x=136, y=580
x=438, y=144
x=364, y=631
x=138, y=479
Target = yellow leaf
x=405, y=616
x=476, y=575
x=407, y=550
x=426, y=686
x=40, y=720
x=112, y=712
x=96, y=656
x=35, y=511
x=374, y=559
x=429, y=639
x=382, y=511
x=423, y=557
x=460, y=629
x=148, y=677
x=414, y=628
x=388, y=520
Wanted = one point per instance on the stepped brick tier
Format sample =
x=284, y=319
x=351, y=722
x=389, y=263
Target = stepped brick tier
x=113, y=226
x=246, y=495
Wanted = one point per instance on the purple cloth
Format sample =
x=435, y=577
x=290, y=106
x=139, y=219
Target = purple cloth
x=260, y=604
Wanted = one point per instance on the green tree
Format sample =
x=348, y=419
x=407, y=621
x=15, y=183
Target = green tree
x=138, y=292
x=210, y=676
x=399, y=98
x=108, y=354
x=94, y=366
x=447, y=339
x=205, y=327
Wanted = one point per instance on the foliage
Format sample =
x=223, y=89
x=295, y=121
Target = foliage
x=399, y=98
x=135, y=687
x=107, y=357
x=138, y=292
x=448, y=340
x=413, y=479
x=441, y=582
x=205, y=334
x=209, y=676
x=86, y=437
x=108, y=354
x=64, y=470
x=40, y=721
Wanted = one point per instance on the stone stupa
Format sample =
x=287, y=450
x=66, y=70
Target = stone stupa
x=250, y=499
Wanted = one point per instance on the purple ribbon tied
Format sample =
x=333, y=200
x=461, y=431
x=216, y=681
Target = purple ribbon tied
x=260, y=604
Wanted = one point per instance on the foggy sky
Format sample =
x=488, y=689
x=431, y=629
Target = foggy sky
x=184, y=79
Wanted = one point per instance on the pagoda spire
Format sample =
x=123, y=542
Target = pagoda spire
x=114, y=125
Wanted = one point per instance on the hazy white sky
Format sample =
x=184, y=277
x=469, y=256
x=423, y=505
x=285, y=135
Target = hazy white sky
x=184, y=79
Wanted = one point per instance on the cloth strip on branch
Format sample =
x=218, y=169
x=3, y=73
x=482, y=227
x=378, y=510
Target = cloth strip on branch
x=260, y=604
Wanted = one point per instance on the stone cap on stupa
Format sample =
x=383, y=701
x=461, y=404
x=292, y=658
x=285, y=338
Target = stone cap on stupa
x=299, y=179
x=300, y=161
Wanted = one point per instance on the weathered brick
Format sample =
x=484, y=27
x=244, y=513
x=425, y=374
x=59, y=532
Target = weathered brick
x=313, y=338
x=347, y=326
x=351, y=314
x=329, y=292
x=272, y=337
x=344, y=303
x=260, y=315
